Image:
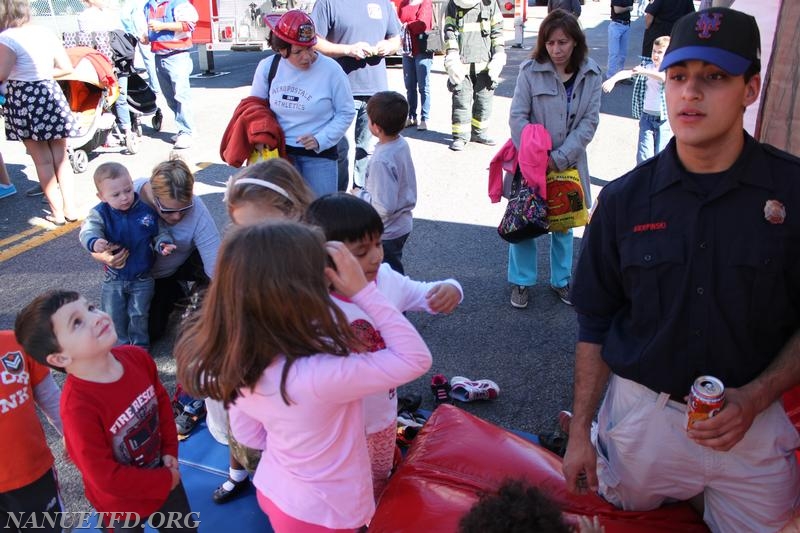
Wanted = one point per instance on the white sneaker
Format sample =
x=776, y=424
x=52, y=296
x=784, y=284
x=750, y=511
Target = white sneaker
x=422, y=126
x=183, y=140
x=465, y=390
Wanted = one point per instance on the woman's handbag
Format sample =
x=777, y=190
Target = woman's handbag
x=525, y=216
x=432, y=40
x=566, y=204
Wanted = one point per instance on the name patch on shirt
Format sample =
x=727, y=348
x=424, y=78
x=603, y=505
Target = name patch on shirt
x=649, y=226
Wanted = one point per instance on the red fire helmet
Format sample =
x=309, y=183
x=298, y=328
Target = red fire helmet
x=294, y=27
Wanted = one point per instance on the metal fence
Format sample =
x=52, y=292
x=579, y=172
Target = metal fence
x=56, y=8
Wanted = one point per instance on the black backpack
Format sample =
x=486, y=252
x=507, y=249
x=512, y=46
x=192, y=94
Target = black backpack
x=123, y=46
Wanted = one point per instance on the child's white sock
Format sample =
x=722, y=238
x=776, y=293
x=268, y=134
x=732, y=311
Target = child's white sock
x=236, y=474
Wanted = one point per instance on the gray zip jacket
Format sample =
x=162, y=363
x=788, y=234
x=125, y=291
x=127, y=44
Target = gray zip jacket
x=540, y=98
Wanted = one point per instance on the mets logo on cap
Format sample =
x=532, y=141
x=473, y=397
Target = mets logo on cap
x=708, y=23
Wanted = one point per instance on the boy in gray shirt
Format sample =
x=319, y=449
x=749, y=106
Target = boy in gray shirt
x=391, y=184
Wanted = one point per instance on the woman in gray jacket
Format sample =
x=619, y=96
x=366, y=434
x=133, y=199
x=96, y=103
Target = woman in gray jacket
x=559, y=87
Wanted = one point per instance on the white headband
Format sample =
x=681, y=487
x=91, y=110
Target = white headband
x=262, y=183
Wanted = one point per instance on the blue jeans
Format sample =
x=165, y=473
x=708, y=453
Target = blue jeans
x=149, y=60
x=416, y=74
x=617, y=47
x=319, y=173
x=522, y=259
x=357, y=146
x=173, y=77
x=654, y=134
x=121, y=109
x=128, y=303
x=393, y=252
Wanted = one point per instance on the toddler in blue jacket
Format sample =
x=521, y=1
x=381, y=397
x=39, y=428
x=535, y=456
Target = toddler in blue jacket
x=123, y=221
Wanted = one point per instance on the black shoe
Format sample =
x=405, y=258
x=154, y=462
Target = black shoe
x=409, y=402
x=221, y=495
x=482, y=139
x=555, y=441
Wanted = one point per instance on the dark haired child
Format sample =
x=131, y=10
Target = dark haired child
x=118, y=425
x=354, y=222
x=519, y=507
x=28, y=483
x=391, y=185
x=283, y=357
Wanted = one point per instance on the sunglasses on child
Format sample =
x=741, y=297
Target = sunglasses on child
x=167, y=210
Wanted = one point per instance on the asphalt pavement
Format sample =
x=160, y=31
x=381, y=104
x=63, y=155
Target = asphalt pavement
x=527, y=352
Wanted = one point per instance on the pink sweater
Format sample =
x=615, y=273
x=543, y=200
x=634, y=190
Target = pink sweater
x=315, y=465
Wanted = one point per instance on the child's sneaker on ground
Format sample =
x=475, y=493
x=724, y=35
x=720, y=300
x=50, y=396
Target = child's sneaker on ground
x=192, y=413
x=440, y=388
x=466, y=390
x=409, y=420
x=409, y=402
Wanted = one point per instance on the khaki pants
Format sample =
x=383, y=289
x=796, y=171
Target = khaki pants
x=645, y=459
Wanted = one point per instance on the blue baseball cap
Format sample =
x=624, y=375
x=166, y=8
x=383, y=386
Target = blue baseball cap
x=720, y=36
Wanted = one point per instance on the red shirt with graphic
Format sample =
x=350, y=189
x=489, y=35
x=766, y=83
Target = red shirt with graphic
x=116, y=434
x=26, y=456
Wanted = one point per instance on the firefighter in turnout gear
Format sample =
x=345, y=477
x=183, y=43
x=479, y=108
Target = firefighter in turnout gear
x=475, y=57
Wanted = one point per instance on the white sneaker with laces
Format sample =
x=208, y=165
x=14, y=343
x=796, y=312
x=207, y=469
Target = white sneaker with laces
x=465, y=390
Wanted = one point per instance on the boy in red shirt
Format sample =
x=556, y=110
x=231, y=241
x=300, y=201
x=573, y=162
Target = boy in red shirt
x=117, y=416
x=27, y=478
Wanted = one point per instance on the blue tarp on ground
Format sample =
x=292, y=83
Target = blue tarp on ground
x=204, y=466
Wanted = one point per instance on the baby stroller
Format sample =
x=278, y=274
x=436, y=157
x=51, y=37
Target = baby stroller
x=91, y=89
x=142, y=102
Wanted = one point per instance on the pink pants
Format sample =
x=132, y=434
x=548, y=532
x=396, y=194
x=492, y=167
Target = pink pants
x=283, y=523
x=381, y=445
x=645, y=459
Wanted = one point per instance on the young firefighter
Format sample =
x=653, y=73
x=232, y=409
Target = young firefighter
x=117, y=417
x=690, y=267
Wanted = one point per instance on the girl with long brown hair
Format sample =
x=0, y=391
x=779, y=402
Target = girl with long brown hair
x=270, y=342
x=271, y=190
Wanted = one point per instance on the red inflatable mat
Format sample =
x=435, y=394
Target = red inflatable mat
x=457, y=455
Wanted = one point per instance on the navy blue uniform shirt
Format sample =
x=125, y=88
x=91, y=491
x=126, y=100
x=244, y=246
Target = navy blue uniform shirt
x=676, y=283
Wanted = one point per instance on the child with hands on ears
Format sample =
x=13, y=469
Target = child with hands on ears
x=271, y=344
